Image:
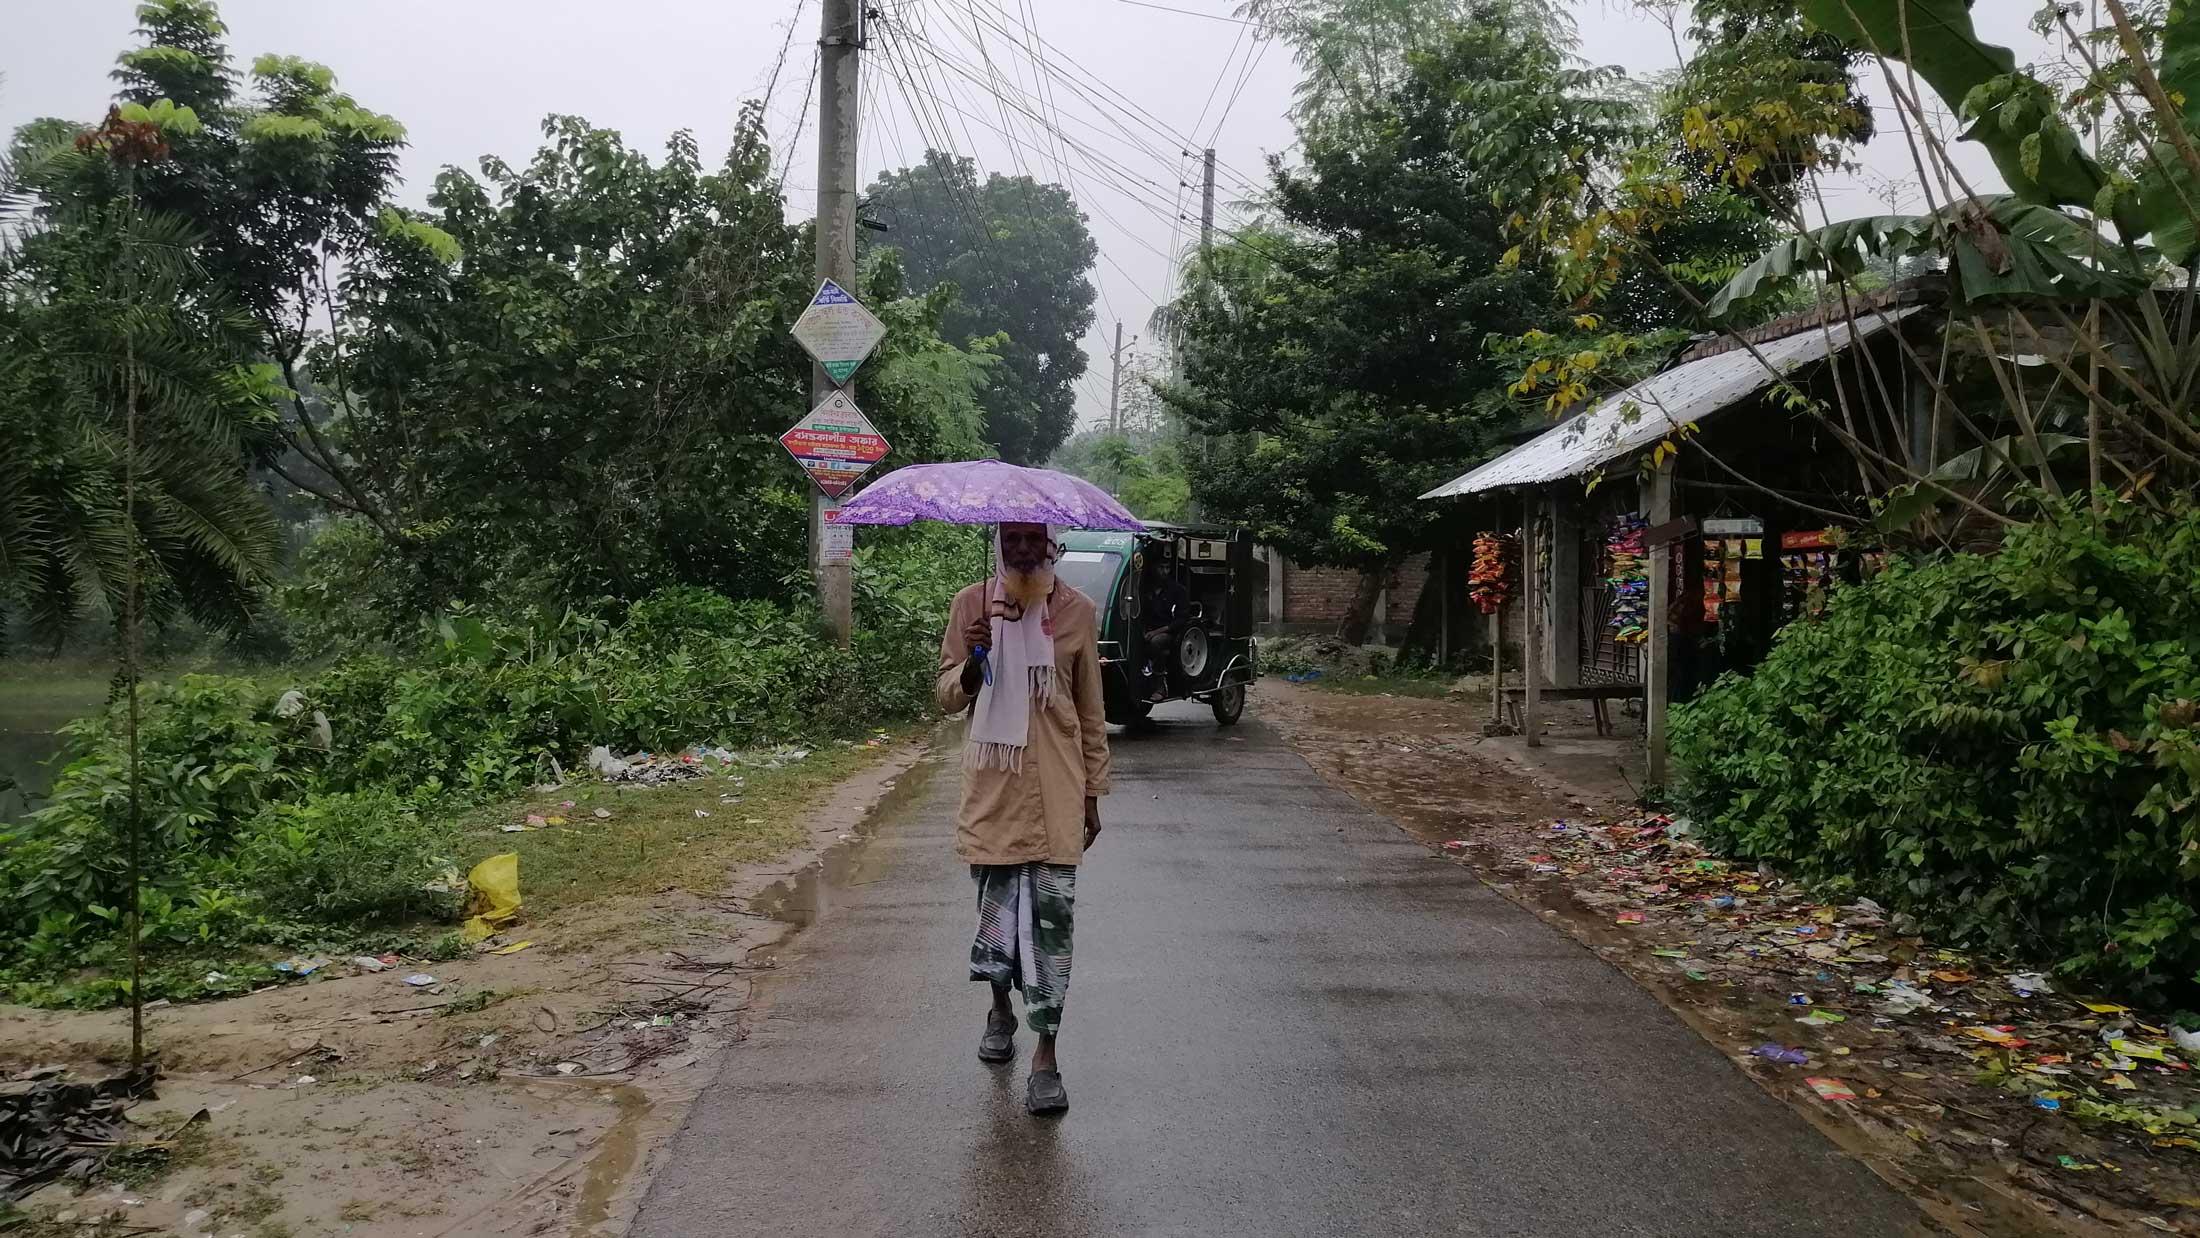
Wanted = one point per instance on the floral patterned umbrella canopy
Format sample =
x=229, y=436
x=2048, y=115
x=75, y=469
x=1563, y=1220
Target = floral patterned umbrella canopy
x=986, y=492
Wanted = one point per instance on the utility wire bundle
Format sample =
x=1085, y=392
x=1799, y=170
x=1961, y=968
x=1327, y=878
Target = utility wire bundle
x=1627, y=573
x=1496, y=571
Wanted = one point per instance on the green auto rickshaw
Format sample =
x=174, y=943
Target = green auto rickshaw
x=1176, y=616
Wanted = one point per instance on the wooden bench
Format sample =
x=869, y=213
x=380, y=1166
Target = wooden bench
x=1594, y=693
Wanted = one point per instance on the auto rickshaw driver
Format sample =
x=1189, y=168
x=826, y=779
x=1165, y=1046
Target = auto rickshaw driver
x=1166, y=612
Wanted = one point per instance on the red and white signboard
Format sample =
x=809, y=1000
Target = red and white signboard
x=835, y=444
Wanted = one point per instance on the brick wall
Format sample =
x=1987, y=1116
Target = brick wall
x=1317, y=594
x=1317, y=597
x=1405, y=589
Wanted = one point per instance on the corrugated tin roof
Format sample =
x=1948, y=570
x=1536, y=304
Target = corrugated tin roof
x=1631, y=420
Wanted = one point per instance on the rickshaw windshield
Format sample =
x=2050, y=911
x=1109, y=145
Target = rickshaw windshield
x=1090, y=572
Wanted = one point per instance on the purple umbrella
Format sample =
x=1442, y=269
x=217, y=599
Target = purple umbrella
x=986, y=492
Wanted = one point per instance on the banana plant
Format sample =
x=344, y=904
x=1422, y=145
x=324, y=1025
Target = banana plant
x=2016, y=117
x=1999, y=248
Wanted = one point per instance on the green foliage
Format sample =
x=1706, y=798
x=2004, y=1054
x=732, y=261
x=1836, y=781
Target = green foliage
x=2003, y=745
x=1296, y=655
x=163, y=114
x=103, y=321
x=2003, y=250
x=440, y=245
x=2005, y=107
x=276, y=180
x=338, y=595
x=1778, y=92
x=1016, y=254
x=168, y=275
x=1336, y=360
x=588, y=405
x=256, y=833
x=212, y=756
x=352, y=858
x=1145, y=471
x=1354, y=52
x=2139, y=179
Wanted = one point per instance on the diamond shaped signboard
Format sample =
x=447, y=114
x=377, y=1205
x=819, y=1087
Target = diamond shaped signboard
x=835, y=444
x=838, y=331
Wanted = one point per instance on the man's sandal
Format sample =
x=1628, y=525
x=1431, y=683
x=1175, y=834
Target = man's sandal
x=998, y=1043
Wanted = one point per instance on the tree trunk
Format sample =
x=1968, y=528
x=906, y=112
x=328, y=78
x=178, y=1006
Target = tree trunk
x=1360, y=615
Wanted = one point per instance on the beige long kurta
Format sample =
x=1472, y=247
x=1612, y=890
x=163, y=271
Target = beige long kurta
x=1038, y=813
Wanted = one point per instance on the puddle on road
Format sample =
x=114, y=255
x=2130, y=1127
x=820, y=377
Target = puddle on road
x=807, y=896
x=613, y=1162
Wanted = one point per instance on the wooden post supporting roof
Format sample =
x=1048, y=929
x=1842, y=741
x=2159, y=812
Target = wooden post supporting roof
x=1657, y=663
x=1535, y=611
x=1497, y=664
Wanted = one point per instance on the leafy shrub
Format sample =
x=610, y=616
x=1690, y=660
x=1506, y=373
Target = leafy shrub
x=212, y=754
x=354, y=858
x=256, y=830
x=346, y=591
x=669, y=616
x=2001, y=744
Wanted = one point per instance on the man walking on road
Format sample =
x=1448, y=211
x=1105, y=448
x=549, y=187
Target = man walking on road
x=1021, y=654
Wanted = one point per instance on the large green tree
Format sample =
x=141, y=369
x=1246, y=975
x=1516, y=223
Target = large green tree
x=1017, y=253
x=1354, y=53
x=133, y=405
x=1336, y=359
x=587, y=402
x=283, y=180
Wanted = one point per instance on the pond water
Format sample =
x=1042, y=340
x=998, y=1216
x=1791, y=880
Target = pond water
x=33, y=708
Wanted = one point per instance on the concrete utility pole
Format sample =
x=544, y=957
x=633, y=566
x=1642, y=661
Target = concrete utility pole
x=1115, y=384
x=839, y=43
x=1207, y=202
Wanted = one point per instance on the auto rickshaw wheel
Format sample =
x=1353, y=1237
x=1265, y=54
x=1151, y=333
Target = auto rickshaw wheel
x=1191, y=652
x=1228, y=704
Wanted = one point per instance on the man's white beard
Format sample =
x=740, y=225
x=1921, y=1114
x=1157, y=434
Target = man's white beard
x=1027, y=588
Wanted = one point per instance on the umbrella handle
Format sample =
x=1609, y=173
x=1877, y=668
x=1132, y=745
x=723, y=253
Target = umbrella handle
x=985, y=666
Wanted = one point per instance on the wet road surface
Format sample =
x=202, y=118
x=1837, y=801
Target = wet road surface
x=1286, y=1018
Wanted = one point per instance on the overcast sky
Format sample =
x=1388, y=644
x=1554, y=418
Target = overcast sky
x=1130, y=86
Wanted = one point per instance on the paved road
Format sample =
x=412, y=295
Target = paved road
x=1286, y=1019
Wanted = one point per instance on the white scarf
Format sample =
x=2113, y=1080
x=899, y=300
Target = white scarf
x=1022, y=663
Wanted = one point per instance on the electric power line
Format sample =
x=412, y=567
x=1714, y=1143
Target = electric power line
x=918, y=88
x=1105, y=178
x=1112, y=173
x=1115, y=100
x=1252, y=62
x=802, y=118
x=1148, y=4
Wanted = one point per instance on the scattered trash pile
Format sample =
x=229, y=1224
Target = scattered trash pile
x=2080, y=1099
x=648, y=769
x=53, y=1127
x=642, y=768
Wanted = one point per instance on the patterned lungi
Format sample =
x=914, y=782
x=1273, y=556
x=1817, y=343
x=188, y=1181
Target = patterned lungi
x=1024, y=919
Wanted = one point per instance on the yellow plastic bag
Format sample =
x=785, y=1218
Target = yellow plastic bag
x=492, y=896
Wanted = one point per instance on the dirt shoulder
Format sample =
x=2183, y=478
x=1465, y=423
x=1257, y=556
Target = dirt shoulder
x=520, y=1093
x=2001, y=1108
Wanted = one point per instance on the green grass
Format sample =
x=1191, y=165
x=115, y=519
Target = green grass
x=653, y=839
x=651, y=842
